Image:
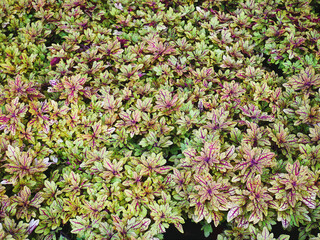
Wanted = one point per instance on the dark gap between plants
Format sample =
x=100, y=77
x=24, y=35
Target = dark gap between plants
x=272, y=66
x=316, y=6
x=277, y=230
x=192, y=231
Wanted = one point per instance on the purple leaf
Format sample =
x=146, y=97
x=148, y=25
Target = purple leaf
x=54, y=61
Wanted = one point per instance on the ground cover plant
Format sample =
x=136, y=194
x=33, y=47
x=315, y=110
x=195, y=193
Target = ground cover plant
x=121, y=118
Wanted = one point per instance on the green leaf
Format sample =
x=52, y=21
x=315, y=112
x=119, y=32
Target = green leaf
x=207, y=229
x=79, y=225
x=284, y=237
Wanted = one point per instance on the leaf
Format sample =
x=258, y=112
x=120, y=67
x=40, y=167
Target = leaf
x=233, y=213
x=207, y=229
x=32, y=225
x=283, y=237
x=20, y=163
x=216, y=217
x=226, y=158
x=254, y=161
x=79, y=225
x=164, y=142
x=50, y=191
x=305, y=80
x=18, y=229
x=106, y=229
x=144, y=224
x=152, y=163
x=167, y=103
x=179, y=227
x=310, y=202
x=159, y=48
x=253, y=112
x=255, y=216
x=219, y=120
x=72, y=87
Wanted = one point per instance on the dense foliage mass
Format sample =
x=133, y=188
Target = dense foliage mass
x=120, y=118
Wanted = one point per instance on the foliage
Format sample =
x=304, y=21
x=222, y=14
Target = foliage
x=121, y=118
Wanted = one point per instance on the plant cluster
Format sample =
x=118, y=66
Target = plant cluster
x=119, y=118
